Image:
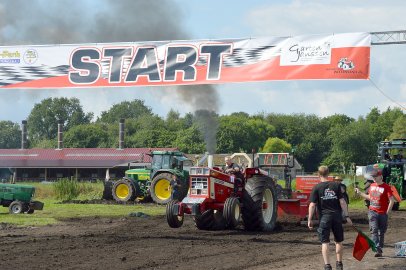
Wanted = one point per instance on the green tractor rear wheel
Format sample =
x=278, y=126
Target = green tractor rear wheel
x=161, y=188
x=124, y=190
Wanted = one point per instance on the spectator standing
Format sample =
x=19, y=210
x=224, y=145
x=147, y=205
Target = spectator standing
x=381, y=201
x=175, y=186
x=328, y=199
x=343, y=188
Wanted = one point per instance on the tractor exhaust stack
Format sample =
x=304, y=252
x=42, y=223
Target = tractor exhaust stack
x=24, y=134
x=60, y=134
x=210, y=161
x=121, y=134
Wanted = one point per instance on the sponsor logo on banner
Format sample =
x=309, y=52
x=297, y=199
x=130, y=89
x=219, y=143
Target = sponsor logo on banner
x=7, y=57
x=306, y=52
x=30, y=56
x=345, y=64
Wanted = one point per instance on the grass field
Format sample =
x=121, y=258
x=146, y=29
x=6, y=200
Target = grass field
x=55, y=211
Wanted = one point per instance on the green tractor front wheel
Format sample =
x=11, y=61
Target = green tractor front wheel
x=16, y=207
x=124, y=190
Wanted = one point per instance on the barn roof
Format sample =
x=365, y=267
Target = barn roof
x=74, y=157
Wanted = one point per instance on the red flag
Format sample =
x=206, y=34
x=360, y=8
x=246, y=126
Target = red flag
x=395, y=193
x=361, y=246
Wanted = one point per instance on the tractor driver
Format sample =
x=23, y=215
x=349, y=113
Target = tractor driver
x=232, y=168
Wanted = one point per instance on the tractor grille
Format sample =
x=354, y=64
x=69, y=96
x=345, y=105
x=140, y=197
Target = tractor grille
x=199, y=185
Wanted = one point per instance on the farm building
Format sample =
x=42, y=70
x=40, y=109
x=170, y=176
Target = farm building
x=81, y=163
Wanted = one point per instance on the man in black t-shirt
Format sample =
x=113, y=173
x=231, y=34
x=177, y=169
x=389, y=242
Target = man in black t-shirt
x=329, y=200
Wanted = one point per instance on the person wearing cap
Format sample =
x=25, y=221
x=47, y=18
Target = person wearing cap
x=381, y=202
x=343, y=188
x=328, y=199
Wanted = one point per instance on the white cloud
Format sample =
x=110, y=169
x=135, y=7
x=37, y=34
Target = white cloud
x=318, y=16
x=353, y=98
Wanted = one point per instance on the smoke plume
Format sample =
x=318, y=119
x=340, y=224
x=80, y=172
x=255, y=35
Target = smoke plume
x=205, y=102
x=38, y=22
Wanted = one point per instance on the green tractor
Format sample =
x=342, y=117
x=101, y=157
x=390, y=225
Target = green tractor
x=152, y=182
x=18, y=198
x=392, y=162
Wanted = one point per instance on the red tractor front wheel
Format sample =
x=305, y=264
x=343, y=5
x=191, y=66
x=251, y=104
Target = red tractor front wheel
x=232, y=212
x=174, y=220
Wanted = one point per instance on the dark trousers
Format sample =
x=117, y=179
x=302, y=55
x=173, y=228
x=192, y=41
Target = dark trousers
x=175, y=194
x=378, y=223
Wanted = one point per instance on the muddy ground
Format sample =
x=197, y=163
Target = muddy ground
x=148, y=243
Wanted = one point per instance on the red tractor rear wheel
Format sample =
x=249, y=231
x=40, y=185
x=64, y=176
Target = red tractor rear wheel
x=259, y=204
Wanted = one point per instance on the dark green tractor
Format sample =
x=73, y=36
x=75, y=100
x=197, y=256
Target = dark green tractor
x=18, y=198
x=392, y=162
x=153, y=182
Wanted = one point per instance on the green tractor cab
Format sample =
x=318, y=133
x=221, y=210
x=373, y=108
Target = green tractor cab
x=18, y=198
x=153, y=182
x=392, y=162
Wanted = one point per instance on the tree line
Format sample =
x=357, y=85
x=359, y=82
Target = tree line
x=336, y=140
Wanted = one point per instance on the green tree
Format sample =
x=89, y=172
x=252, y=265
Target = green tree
x=10, y=135
x=352, y=143
x=190, y=141
x=87, y=136
x=50, y=144
x=337, y=119
x=43, y=119
x=307, y=133
x=151, y=132
x=383, y=123
x=399, y=128
x=125, y=110
x=276, y=145
x=240, y=133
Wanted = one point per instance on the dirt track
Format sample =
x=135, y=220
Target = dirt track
x=148, y=243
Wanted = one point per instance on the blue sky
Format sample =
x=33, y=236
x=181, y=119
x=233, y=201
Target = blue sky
x=217, y=20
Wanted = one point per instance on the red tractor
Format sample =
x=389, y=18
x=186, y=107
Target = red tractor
x=214, y=205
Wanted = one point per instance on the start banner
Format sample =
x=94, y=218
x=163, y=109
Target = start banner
x=338, y=56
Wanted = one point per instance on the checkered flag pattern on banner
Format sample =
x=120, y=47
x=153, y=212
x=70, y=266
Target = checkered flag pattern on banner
x=14, y=74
